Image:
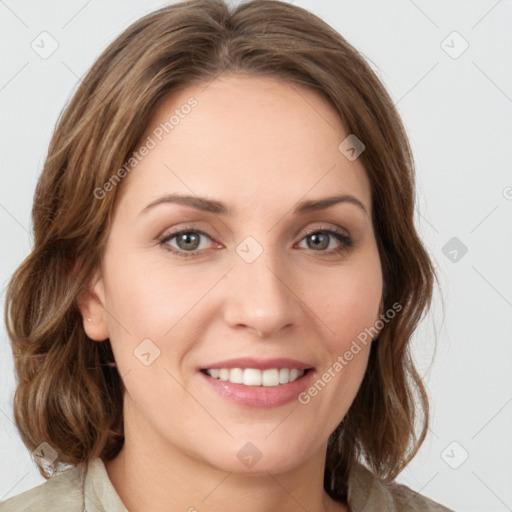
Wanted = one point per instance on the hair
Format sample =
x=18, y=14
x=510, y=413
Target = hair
x=67, y=393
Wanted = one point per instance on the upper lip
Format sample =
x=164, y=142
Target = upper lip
x=261, y=364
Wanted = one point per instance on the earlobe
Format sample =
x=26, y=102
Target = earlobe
x=91, y=303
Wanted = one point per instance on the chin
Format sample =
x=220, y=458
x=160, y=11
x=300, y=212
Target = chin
x=256, y=455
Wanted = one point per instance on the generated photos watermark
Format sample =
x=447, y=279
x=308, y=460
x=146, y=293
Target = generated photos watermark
x=343, y=360
x=151, y=142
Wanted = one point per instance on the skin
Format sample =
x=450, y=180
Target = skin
x=260, y=146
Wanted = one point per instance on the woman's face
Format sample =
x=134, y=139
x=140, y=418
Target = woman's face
x=254, y=260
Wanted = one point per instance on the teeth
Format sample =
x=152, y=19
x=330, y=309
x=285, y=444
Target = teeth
x=270, y=377
x=284, y=375
x=236, y=375
x=294, y=374
x=254, y=377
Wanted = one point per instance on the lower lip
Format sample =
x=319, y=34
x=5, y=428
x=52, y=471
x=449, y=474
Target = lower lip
x=261, y=397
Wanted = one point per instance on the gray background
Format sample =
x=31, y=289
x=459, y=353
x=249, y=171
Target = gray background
x=457, y=108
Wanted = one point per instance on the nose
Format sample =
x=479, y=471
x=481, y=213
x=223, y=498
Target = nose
x=260, y=297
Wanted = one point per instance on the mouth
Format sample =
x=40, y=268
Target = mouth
x=256, y=383
x=271, y=377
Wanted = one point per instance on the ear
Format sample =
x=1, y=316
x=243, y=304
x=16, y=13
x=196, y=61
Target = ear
x=91, y=303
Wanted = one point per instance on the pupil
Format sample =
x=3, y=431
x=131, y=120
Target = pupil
x=185, y=238
x=320, y=245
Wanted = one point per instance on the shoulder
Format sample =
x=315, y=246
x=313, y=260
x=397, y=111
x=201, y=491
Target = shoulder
x=369, y=493
x=60, y=493
x=84, y=487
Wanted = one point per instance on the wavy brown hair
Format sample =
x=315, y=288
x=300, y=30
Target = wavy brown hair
x=68, y=394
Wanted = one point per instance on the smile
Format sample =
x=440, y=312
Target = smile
x=254, y=377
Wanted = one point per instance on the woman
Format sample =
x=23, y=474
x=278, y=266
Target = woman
x=225, y=277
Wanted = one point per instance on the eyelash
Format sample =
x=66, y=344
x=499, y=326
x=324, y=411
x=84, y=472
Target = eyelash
x=346, y=241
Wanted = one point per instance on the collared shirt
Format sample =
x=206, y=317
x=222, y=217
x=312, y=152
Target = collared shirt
x=71, y=491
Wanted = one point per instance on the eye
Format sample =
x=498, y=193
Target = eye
x=188, y=242
x=320, y=239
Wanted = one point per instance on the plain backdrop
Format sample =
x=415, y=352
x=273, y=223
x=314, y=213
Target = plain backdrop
x=447, y=65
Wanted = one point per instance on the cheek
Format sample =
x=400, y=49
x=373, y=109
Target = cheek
x=348, y=306
x=349, y=301
x=147, y=297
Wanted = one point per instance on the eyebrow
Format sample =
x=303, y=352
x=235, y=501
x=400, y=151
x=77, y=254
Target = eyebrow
x=219, y=208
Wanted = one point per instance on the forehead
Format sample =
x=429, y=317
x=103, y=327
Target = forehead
x=247, y=141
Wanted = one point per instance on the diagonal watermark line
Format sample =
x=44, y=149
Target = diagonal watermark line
x=487, y=281
x=193, y=192
x=323, y=118
x=93, y=95
x=7, y=493
x=198, y=301
x=492, y=418
x=485, y=15
x=76, y=14
x=80, y=486
x=213, y=490
x=435, y=435
x=14, y=76
x=116, y=320
x=214, y=78
x=508, y=508
x=424, y=14
x=418, y=491
x=11, y=420
x=169, y=168
x=125, y=374
x=14, y=218
x=19, y=19
x=307, y=192
x=79, y=78
x=8, y=417
x=484, y=218
x=428, y=222
x=6, y=285
x=492, y=81
x=199, y=403
x=301, y=300
x=417, y=83
x=281, y=422
x=286, y=491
